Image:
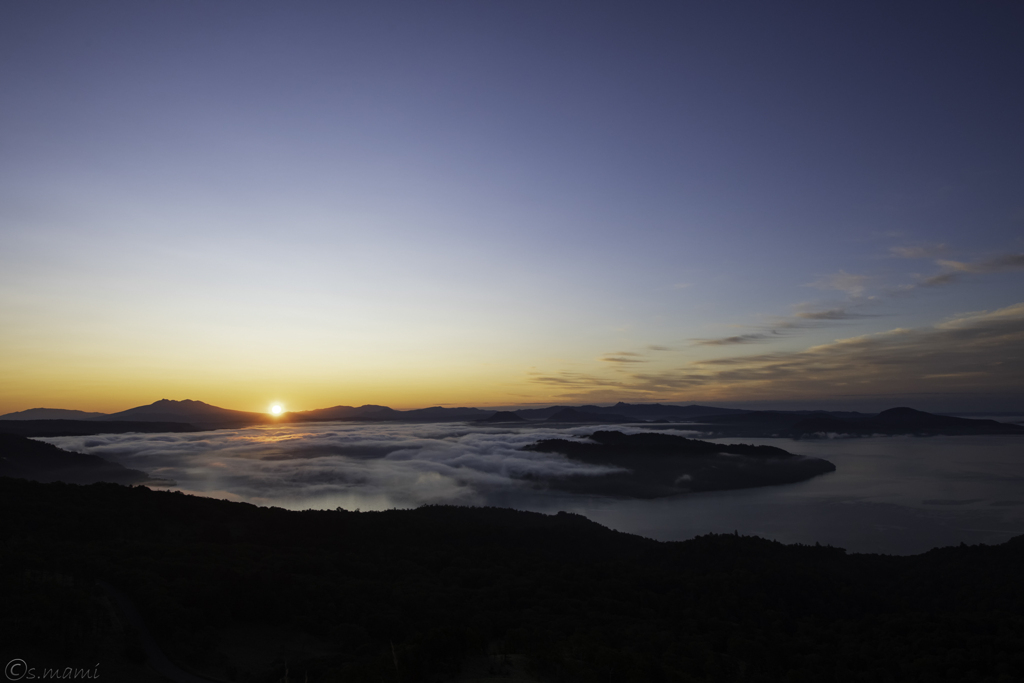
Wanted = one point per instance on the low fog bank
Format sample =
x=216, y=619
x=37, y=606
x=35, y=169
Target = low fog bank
x=352, y=465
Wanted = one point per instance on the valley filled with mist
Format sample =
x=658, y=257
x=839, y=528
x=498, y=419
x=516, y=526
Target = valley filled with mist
x=894, y=494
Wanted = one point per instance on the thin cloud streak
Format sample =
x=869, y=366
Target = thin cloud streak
x=953, y=271
x=851, y=284
x=919, y=252
x=732, y=341
x=806, y=316
x=995, y=264
x=830, y=314
x=801, y=320
x=978, y=353
x=623, y=357
x=856, y=286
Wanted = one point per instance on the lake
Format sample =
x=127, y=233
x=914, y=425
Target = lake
x=897, y=495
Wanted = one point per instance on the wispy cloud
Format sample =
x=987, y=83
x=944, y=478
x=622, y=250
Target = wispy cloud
x=954, y=270
x=806, y=317
x=829, y=314
x=935, y=280
x=623, y=357
x=818, y=366
x=575, y=380
x=851, y=284
x=919, y=252
x=977, y=352
x=752, y=338
x=995, y=264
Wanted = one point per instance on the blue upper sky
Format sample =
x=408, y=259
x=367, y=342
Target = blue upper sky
x=511, y=202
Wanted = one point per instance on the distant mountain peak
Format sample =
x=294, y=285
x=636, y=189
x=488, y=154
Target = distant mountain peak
x=190, y=412
x=900, y=411
x=51, y=414
x=573, y=415
x=503, y=416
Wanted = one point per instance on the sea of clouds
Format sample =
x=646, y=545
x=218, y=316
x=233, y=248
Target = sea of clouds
x=892, y=494
x=351, y=465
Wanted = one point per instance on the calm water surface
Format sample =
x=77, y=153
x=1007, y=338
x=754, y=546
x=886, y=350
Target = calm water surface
x=898, y=495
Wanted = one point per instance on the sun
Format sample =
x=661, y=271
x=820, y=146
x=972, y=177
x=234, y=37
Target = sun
x=276, y=409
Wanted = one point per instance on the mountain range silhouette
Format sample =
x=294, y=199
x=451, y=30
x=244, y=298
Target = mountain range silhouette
x=164, y=414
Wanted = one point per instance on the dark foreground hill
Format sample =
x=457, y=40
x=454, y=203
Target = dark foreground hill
x=38, y=461
x=239, y=592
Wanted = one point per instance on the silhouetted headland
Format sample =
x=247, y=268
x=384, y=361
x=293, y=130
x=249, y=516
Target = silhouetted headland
x=655, y=465
x=28, y=459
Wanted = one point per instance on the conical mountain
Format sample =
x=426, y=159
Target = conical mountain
x=190, y=412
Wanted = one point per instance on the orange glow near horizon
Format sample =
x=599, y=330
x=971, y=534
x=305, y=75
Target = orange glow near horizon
x=276, y=409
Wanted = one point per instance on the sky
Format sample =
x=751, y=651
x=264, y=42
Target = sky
x=511, y=203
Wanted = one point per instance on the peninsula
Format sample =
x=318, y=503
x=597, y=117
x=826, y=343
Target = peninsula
x=655, y=465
